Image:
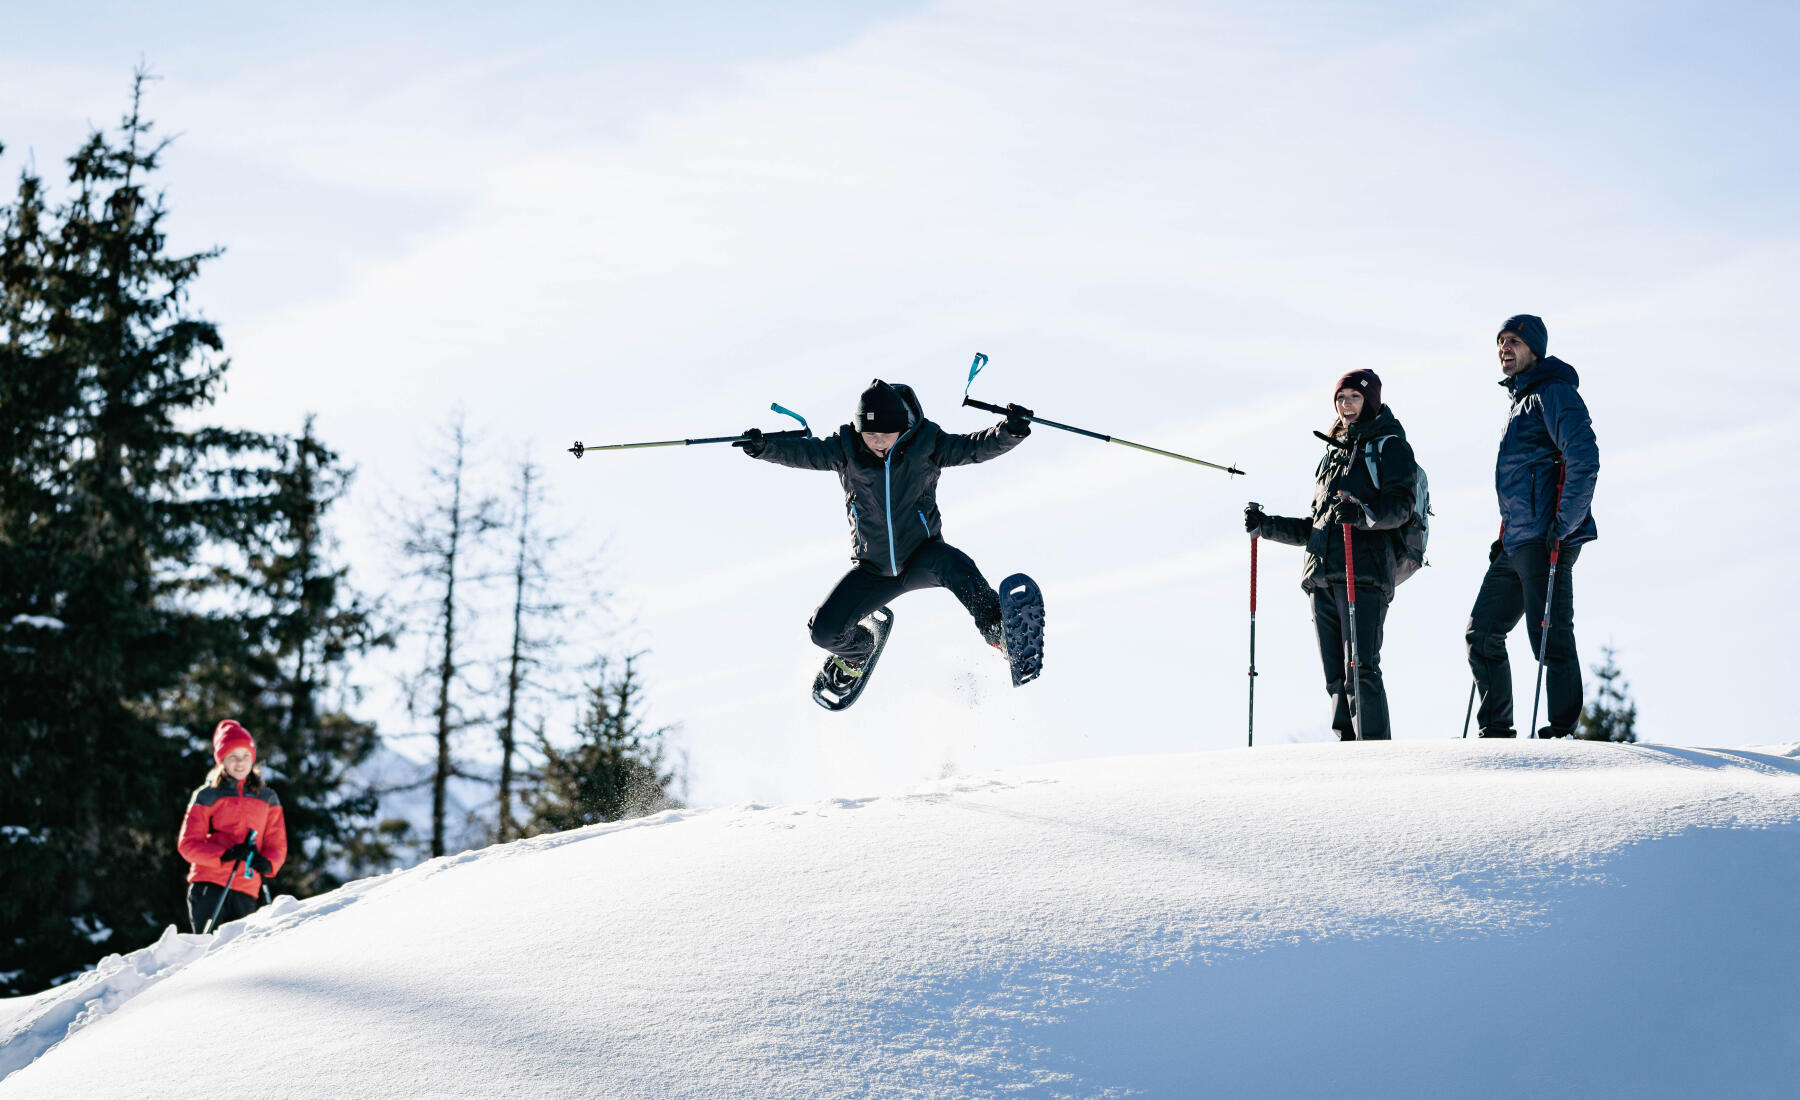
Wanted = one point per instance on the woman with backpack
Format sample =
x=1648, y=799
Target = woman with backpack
x=1366, y=480
x=234, y=835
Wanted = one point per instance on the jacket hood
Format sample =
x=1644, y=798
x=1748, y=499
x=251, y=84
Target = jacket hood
x=1551, y=369
x=912, y=402
x=1385, y=423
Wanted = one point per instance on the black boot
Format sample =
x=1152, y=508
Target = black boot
x=994, y=634
x=1549, y=732
x=840, y=674
x=1499, y=731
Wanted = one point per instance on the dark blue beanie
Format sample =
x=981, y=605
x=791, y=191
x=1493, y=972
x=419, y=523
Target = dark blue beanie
x=1529, y=329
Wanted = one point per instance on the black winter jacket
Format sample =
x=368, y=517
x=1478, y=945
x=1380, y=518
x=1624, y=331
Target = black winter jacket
x=892, y=502
x=1548, y=419
x=1375, y=541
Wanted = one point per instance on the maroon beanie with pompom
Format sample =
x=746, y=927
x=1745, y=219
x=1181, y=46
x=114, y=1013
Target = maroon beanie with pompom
x=231, y=736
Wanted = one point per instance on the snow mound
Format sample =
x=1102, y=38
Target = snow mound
x=1465, y=917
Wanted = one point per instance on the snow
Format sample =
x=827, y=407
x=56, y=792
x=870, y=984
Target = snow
x=41, y=622
x=1407, y=919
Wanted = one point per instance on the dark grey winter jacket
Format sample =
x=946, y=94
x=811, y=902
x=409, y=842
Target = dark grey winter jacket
x=1548, y=418
x=892, y=503
x=1352, y=467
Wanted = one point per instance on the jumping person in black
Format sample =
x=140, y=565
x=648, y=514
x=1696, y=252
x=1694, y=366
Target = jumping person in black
x=1365, y=480
x=888, y=462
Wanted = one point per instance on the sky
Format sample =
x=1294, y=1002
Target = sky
x=1174, y=223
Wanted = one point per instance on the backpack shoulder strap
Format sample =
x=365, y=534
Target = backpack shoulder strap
x=1372, y=450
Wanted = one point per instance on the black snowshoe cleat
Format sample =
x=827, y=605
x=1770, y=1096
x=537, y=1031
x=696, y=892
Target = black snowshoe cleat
x=840, y=682
x=1022, y=627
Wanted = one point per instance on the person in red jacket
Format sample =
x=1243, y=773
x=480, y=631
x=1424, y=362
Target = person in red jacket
x=215, y=833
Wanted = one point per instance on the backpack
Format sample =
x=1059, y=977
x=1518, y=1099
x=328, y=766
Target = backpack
x=1416, y=531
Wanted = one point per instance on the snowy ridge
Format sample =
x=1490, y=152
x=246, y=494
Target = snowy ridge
x=1399, y=919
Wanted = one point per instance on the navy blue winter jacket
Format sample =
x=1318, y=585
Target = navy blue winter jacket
x=1548, y=419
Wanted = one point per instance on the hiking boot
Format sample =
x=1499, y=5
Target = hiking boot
x=1499, y=731
x=995, y=635
x=841, y=675
x=1549, y=732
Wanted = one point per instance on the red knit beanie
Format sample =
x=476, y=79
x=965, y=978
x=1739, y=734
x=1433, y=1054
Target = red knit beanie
x=229, y=737
x=1365, y=382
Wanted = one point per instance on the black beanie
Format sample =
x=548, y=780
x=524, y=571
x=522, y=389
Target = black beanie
x=1529, y=329
x=1365, y=382
x=882, y=409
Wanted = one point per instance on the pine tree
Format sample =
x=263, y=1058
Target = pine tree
x=109, y=502
x=1611, y=716
x=615, y=768
x=530, y=645
x=284, y=676
x=445, y=538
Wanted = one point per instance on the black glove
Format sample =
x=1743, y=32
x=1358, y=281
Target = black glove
x=261, y=865
x=240, y=850
x=1550, y=539
x=1494, y=551
x=1016, y=424
x=1349, y=510
x=753, y=442
x=1254, y=518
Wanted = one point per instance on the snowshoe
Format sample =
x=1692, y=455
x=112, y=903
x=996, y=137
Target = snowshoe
x=1022, y=626
x=839, y=683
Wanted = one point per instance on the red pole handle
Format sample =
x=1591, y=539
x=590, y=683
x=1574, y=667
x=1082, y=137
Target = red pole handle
x=1562, y=473
x=1349, y=565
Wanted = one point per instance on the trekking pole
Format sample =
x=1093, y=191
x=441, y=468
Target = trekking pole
x=801, y=432
x=1252, y=741
x=1016, y=410
x=1471, y=710
x=220, y=908
x=1355, y=664
x=1549, y=598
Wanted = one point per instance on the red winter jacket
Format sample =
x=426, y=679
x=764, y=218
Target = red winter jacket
x=218, y=818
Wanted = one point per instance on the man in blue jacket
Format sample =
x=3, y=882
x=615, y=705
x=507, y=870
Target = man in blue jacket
x=1548, y=465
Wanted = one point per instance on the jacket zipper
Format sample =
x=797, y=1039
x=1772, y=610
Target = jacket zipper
x=923, y=522
x=887, y=484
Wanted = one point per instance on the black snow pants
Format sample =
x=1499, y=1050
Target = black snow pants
x=836, y=625
x=1331, y=618
x=203, y=898
x=1514, y=589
